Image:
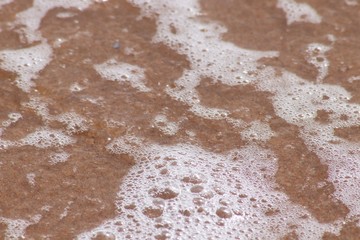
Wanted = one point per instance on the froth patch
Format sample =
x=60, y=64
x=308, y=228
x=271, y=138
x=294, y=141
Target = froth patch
x=165, y=126
x=298, y=12
x=182, y=191
x=208, y=55
x=316, y=56
x=258, y=131
x=16, y=227
x=26, y=62
x=12, y=118
x=59, y=157
x=31, y=178
x=295, y=100
x=5, y=144
x=123, y=72
x=125, y=145
x=74, y=122
x=352, y=2
x=45, y=138
x=5, y=2
x=32, y=17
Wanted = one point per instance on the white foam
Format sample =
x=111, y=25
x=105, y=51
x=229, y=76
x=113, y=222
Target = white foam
x=76, y=87
x=316, y=56
x=184, y=192
x=165, y=126
x=26, y=63
x=298, y=12
x=295, y=100
x=59, y=157
x=208, y=189
x=66, y=210
x=123, y=72
x=298, y=101
x=31, y=178
x=75, y=123
x=13, y=118
x=31, y=17
x=45, y=138
x=353, y=78
x=352, y=2
x=125, y=145
x=5, y=144
x=258, y=131
x=40, y=106
x=16, y=227
x=200, y=43
x=5, y=2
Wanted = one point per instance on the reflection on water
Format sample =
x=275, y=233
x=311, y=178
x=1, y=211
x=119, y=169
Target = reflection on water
x=179, y=119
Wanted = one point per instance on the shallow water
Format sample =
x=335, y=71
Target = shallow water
x=179, y=119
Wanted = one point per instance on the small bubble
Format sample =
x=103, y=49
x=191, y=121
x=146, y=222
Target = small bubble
x=194, y=179
x=224, y=212
x=153, y=211
x=164, y=193
x=198, y=201
x=197, y=189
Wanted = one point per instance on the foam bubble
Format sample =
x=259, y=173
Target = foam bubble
x=123, y=72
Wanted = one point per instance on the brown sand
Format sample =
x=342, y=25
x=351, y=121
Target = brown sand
x=87, y=183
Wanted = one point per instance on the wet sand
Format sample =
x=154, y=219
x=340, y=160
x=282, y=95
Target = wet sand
x=120, y=128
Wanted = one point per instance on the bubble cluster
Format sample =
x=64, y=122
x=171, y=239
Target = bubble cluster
x=13, y=118
x=258, y=131
x=45, y=138
x=59, y=157
x=182, y=191
x=165, y=126
x=123, y=72
x=16, y=227
x=30, y=18
x=74, y=122
x=316, y=56
x=26, y=63
x=298, y=12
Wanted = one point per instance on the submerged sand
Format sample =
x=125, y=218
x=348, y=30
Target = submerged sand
x=179, y=119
